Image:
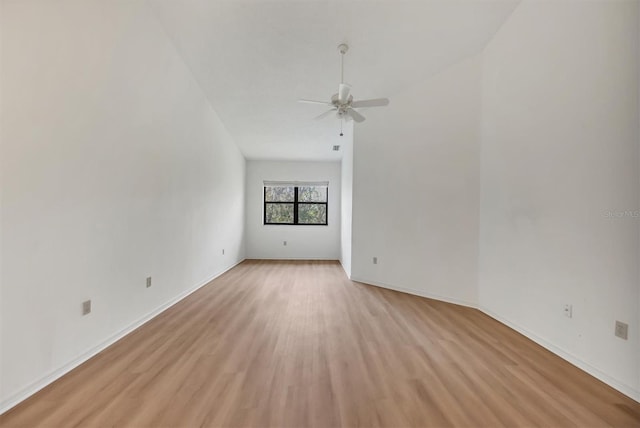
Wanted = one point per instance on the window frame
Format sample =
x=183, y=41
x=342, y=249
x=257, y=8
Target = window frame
x=296, y=203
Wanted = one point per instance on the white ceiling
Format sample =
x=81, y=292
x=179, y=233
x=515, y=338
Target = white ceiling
x=254, y=59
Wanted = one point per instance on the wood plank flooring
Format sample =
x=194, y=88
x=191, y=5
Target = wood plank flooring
x=296, y=344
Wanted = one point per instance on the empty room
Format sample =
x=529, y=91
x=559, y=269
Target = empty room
x=319, y=213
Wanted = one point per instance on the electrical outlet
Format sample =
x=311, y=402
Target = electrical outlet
x=148, y=281
x=375, y=260
x=86, y=307
x=568, y=311
x=622, y=330
x=284, y=243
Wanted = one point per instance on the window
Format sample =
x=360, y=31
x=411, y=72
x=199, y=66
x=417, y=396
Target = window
x=302, y=204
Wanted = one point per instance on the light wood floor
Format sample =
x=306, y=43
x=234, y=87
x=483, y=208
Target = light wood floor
x=296, y=344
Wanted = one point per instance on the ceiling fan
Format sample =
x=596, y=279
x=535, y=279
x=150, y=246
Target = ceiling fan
x=342, y=103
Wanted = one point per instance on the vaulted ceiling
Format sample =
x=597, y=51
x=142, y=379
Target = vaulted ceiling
x=254, y=59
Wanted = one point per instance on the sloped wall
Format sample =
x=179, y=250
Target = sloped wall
x=509, y=182
x=113, y=168
x=560, y=206
x=416, y=188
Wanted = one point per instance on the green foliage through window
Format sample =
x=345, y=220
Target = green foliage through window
x=297, y=205
x=279, y=213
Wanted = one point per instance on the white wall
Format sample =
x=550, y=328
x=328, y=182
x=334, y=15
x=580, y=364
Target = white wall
x=2, y=108
x=113, y=168
x=559, y=151
x=416, y=188
x=303, y=242
x=346, y=203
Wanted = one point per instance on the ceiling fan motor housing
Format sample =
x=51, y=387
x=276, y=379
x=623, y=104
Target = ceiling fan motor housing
x=336, y=102
x=341, y=109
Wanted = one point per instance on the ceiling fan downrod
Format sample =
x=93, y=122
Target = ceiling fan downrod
x=342, y=48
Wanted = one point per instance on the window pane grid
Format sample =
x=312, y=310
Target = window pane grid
x=296, y=205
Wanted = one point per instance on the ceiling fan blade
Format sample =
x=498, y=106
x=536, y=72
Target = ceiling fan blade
x=355, y=115
x=325, y=114
x=343, y=93
x=314, y=102
x=376, y=102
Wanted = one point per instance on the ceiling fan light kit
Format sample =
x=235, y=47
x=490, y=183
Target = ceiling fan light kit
x=342, y=103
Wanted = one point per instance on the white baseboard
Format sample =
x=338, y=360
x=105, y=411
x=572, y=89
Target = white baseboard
x=325, y=259
x=52, y=376
x=584, y=366
x=36, y=386
x=344, y=269
x=416, y=292
x=567, y=356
